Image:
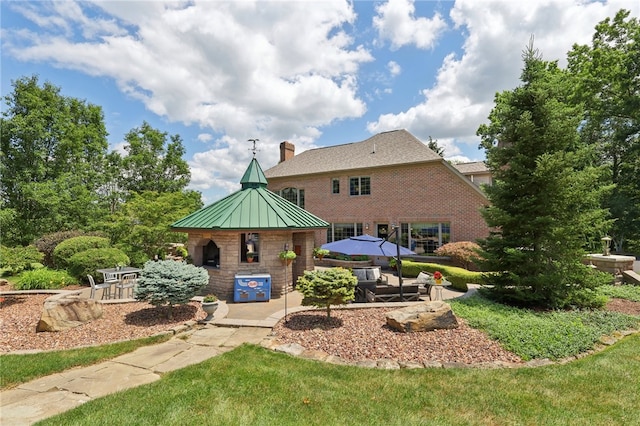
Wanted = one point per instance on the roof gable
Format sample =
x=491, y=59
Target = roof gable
x=384, y=149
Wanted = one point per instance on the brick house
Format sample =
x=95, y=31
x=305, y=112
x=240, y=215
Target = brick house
x=390, y=179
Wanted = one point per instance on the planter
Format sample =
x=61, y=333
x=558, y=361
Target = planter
x=209, y=308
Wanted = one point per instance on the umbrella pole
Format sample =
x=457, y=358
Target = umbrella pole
x=396, y=231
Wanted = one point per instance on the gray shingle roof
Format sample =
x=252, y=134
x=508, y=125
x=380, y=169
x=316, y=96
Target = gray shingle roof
x=474, y=167
x=383, y=149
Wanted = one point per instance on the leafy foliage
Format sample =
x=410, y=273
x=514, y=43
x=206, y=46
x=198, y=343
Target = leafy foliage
x=17, y=259
x=605, y=81
x=629, y=292
x=168, y=282
x=44, y=279
x=463, y=253
x=67, y=248
x=88, y=261
x=48, y=242
x=535, y=334
x=545, y=201
x=142, y=225
x=43, y=133
x=323, y=288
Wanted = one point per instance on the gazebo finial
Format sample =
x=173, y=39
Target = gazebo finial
x=253, y=149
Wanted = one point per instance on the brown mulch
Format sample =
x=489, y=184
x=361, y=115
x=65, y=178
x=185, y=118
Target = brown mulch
x=350, y=334
x=19, y=316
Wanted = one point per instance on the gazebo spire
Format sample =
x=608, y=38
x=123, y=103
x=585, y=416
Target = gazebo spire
x=254, y=176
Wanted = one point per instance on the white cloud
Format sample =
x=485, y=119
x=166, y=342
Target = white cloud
x=394, y=68
x=496, y=32
x=205, y=137
x=396, y=22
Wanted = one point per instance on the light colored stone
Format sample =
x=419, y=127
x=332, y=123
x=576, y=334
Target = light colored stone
x=61, y=314
x=427, y=316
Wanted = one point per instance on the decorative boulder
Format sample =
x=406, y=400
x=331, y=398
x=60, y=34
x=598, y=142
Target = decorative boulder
x=427, y=316
x=60, y=314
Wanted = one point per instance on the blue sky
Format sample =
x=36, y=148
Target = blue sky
x=315, y=73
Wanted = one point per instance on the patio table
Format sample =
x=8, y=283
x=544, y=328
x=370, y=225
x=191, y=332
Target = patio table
x=119, y=272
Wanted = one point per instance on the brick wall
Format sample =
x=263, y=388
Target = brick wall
x=426, y=192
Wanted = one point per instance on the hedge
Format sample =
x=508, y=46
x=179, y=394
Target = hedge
x=458, y=277
x=68, y=248
x=87, y=262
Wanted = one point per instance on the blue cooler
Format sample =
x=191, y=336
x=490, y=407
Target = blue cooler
x=252, y=288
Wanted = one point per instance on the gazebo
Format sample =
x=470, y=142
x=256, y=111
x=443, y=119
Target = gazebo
x=243, y=233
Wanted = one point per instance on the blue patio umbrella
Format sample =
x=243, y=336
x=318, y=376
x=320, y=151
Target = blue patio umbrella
x=365, y=245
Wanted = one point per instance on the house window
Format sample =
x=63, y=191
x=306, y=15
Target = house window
x=360, y=186
x=335, y=186
x=425, y=237
x=295, y=195
x=341, y=231
x=249, y=247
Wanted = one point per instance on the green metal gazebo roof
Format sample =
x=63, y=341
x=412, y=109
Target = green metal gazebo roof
x=253, y=207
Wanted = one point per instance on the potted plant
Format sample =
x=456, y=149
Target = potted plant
x=209, y=306
x=287, y=256
x=320, y=252
x=251, y=255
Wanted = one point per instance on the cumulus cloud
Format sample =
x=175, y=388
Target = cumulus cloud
x=275, y=69
x=394, y=68
x=397, y=23
x=495, y=33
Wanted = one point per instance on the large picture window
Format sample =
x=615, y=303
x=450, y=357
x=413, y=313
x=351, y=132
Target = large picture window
x=341, y=231
x=360, y=186
x=425, y=237
x=295, y=195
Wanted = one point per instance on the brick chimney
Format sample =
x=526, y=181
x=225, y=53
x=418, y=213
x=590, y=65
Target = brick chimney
x=287, y=151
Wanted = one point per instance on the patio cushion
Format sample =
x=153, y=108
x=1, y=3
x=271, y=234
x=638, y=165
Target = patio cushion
x=373, y=274
x=361, y=274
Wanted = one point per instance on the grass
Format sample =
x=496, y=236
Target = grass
x=22, y=368
x=254, y=386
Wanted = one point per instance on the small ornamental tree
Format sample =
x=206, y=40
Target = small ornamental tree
x=335, y=286
x=462, y=253
x=169, y=282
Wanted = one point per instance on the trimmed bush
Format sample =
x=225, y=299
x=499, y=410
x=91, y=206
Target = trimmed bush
x=18, y=259
x=88, y=261
x=335, y=286
x=68, y=248
x=169, y=282
x=47, y=243
x=458, y=277
x=44, y=279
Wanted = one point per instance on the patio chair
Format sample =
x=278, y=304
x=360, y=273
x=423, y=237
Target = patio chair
x=106, y=287
x=128, y=282
x=111, y=278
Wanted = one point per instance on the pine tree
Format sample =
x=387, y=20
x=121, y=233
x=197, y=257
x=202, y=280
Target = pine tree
x=546, y=194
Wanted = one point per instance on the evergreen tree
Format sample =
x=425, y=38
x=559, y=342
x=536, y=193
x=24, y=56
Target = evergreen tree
x=546, y=193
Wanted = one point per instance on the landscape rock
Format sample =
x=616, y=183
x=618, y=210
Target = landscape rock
x=62, y=313
x=427, y=316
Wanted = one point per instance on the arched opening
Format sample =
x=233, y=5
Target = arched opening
x=211, y=255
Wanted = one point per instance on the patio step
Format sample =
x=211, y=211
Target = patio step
x=631, y=277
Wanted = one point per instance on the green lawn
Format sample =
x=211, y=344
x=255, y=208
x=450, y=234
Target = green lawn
x=254, y=386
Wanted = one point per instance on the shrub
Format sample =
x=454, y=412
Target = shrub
x=47, y=243
x=462, y=253
x=44, y=279
x=169, y=282
x=66, y=249
x=458, y=277
x=87, y=262
x=18, y=259
x=335, y=286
